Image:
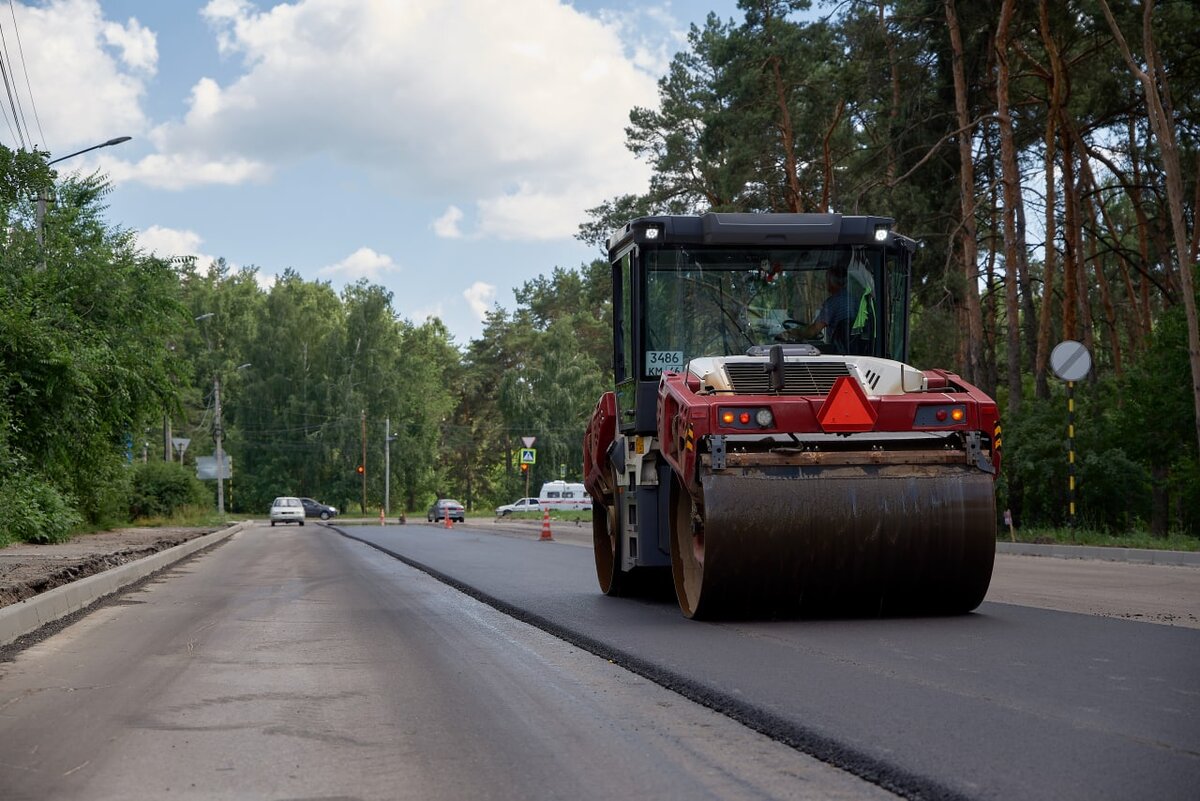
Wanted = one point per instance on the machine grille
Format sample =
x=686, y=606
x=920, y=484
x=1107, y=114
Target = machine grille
x=799, y=378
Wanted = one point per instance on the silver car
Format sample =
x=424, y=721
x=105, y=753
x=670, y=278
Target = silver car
x=523, y=505
x=287, y=510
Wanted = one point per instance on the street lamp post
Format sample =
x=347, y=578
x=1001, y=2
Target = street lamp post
x=41, y=200
x=219, y=434
x=218, y=427
x=388, y=439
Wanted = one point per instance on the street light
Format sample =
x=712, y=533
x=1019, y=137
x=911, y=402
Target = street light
x=116, y=141
x=41, y=200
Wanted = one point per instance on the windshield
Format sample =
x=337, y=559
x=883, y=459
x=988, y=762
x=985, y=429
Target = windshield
x=721, y=302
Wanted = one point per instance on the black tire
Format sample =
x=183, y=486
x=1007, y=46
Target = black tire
x=272, y=524
x=606, y=544
x=324, y=515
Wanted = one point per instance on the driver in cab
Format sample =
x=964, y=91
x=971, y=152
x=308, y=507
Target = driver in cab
x=834, y=314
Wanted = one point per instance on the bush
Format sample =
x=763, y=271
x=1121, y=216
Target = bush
x=35, y=511
x=1113, y=491
x=161, y=488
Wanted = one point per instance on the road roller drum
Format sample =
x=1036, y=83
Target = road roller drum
x=856, y=539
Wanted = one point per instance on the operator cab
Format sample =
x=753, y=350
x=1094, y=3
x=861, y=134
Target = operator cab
x=731, y=285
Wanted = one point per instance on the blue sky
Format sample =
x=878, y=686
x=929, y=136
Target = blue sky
x=445, y=149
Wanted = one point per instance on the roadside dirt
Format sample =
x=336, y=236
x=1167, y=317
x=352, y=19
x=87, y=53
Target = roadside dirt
x=26, y=570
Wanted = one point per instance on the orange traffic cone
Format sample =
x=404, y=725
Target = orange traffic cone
x=546, y=535
x=449, y=522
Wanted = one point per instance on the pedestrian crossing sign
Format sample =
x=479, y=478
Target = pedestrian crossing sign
x=528, y=455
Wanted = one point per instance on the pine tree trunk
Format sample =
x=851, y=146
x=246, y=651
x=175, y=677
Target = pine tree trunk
x=1045, y=323
x=970, y=248
x=1164, y=130
x=1014, y=243
x=1070, y=286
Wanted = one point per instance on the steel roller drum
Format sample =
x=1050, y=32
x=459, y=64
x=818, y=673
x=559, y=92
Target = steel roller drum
x=783, y=541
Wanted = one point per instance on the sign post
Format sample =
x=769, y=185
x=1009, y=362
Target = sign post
x=1071, y=362
x=528, y=457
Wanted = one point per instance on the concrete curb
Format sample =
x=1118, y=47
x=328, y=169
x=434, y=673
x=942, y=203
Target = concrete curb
x=19, y=619
x=1145, y=556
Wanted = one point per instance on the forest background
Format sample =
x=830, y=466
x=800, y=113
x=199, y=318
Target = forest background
x=1045, y=155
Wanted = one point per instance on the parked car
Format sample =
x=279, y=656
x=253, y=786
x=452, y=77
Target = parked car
x=443, y=508
x=523, y=505
x=287, y=510
x=317, y=509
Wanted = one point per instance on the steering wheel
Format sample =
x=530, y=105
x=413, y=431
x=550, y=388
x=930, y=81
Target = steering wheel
x=791, y=330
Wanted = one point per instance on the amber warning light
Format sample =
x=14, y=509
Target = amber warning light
x=750, y=417
x=940, y=416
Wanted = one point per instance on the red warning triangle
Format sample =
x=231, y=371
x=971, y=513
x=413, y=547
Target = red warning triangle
x=846, y=408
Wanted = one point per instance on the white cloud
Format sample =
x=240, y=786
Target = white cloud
x=531, y=94
x=480, y=297
x=170, y=243
x=181, y=171
x=447, y=226
x=518, y=117
x=174, y=243
x=87, y=75
x=138, y=45
x=362, y=263
x=424, y=313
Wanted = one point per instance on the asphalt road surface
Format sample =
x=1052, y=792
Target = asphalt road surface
x=1009, y=702
x=298, y=663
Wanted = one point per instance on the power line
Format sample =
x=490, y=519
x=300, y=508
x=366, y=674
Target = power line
x=8, y=87
x=17, y=133
x=24, y=68
x=4, y=111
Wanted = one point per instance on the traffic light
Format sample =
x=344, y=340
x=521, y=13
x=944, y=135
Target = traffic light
x=360, y=470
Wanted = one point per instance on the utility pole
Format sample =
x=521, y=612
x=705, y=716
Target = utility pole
x=218, y=433
x=364, y=461
x=387, y=466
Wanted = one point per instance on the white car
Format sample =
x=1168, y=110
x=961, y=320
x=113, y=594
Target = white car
x=287, y=510
x=523, y=505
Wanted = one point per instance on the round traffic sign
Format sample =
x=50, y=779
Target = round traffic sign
x=1070, y=360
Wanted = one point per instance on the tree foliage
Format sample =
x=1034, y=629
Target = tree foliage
x=1020, y=142
x=85, y=320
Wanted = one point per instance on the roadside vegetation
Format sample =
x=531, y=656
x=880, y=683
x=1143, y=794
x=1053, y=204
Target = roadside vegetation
x=947, y=116
x=1084, y=536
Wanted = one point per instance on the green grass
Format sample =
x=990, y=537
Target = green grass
x=187, y=517
x=1083, y=536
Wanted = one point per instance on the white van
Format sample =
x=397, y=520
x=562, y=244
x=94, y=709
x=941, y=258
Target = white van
x=564, y=495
